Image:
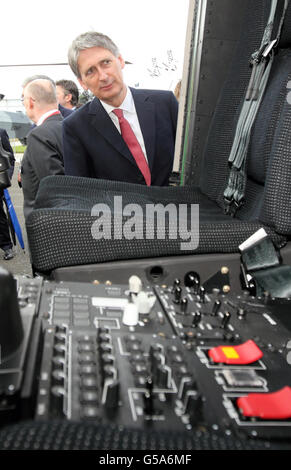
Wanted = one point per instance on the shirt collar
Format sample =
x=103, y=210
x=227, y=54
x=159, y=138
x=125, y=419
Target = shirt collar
x=46, y=115
x=126, y=105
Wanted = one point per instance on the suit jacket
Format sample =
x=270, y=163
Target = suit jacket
x=6, y=145
x=5, y=241
x=65, y=112
x=93, y=147
x=42, y=157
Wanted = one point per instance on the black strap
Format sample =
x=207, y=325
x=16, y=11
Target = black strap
x=261, y=62
x=261, y=267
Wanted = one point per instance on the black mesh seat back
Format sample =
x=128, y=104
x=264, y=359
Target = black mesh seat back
x=215, y=171
x=276, y=205
x=268, y=191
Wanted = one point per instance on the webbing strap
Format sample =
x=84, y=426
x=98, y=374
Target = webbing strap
x=261, y=62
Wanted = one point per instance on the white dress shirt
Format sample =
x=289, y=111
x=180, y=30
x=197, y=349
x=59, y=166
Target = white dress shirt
x=46, y=115
x=129, y=112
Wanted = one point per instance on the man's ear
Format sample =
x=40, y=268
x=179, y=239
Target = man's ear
x=68, y=97
x=121, y=60
x=31, y=102
x=83, y=84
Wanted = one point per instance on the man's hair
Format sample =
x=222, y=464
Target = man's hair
x=36, y=77
x=71, y=88
x=86, y=41
x=43, y=91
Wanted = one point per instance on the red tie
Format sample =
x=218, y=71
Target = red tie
x=133, y=145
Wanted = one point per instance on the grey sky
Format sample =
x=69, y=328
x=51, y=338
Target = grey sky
x=37, y=32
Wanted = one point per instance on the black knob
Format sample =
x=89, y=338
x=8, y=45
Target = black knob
x=60, y=348
x=11, y=329
x=196, y=319
x=107, y=359
x=109, y=371
x=216, y=307
x=59, y=362
x=57, y=398
x=177, y=294
x=176, y=283
x=58, y=377
x=103, y=329
x=192, y=279
x=225, y=319
x=105, y=337
x=184, y=304
x=202, y=294
x=105, y=348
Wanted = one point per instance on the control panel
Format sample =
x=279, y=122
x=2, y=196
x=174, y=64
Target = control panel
x=179, y=358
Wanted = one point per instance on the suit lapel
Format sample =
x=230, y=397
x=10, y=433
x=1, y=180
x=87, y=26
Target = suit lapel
x=146, y=115
x=101, y=121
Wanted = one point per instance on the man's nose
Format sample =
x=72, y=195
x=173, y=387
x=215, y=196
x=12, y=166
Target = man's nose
x=102, y=75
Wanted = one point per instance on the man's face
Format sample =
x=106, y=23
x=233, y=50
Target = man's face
x=27, y=102
x=101, y=73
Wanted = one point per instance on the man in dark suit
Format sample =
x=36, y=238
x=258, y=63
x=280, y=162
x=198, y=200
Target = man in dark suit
x=44, y=153
x=5, y=240
x=95, y=143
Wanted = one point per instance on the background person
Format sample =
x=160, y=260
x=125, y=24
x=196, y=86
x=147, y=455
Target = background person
x=5, y=240
x=67, y=94
x=44, y=153
x=64, y=111
x=177, y=90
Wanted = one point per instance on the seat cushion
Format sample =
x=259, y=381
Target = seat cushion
x=65, y=228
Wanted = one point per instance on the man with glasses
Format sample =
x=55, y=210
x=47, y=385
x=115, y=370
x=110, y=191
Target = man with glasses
x=44, y=152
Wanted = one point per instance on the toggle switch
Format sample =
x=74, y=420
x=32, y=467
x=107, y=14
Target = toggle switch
x=276, y=405
x=216, y=307
x=184, y=305
x=177, y=295
x=245, y=353
x=197, y=317
x=130, y=314
x=135, y=284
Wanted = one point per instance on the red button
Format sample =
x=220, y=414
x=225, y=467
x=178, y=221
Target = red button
x=276, y=405
x=245, y=353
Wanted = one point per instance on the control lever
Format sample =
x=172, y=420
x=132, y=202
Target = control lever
x=11, y=328
x=177, y=295
x=110, y=393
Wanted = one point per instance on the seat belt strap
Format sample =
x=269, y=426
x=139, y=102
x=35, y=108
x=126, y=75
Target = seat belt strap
x=261, y=62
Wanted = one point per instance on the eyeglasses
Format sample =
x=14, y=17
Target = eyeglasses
x=24, y=98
